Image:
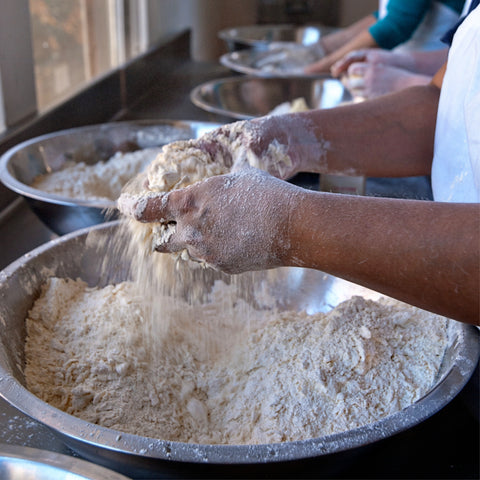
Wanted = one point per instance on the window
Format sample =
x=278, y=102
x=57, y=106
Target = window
x=74, y=41
x=51, y=49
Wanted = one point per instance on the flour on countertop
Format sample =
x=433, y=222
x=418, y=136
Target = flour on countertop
x=99, y=181
x=280, y=376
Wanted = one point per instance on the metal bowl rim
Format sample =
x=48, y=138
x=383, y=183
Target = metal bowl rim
x=104, y=438
x=227, y=34
x=66, y=463
x=27, y=191
x=228, y=60
x=196, y=98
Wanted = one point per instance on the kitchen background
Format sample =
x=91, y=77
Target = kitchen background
x=67, y=63
x=58, y=53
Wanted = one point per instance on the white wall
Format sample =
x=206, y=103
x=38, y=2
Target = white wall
x=205, y=18
x=16, y=65
x=167, y=17
x=352, y=10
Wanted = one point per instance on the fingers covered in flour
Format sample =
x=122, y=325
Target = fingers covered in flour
x=235, y=222
x=147, y=207
x=261, y=143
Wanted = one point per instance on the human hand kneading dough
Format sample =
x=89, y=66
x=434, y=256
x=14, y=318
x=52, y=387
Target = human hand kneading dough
x=421, y=252
x=235, y=222
x=369, y=73
x=270, y=143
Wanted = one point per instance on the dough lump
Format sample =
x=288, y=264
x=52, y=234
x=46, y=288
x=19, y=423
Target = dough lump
x=184, y=163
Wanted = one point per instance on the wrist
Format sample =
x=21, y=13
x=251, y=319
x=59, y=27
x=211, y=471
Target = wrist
x=410, y=80
x=299, y=230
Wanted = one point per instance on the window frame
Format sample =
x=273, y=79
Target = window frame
x=17, y=83
x=18, y=100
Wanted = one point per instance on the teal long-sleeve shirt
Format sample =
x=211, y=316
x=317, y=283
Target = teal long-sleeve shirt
x=402, y=19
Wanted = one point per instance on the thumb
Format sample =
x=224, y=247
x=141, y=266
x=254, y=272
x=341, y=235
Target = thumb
x=146, y=207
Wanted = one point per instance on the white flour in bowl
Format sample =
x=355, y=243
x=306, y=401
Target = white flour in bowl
x=140, y=359
x=99, y=181
x=226, y=373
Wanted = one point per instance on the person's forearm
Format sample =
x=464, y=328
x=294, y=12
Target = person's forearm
x=417, y=61
x=409, y=80
x=386, y=137
x=335, y=40
x=359, y=41
x=423, y=253
x=428, y=62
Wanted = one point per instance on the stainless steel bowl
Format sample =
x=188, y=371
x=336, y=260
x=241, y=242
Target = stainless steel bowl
x=31, y=463
x=90, y=144
x=258, y=37
x=242, y=97
x=277, y=63
x=295, y=288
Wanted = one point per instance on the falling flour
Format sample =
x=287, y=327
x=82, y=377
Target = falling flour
x=266, y=376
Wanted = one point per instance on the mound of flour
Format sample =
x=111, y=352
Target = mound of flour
x=99, y=181
x=226, y=375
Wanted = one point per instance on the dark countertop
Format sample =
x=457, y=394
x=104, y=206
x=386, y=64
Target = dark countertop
x=444, y=446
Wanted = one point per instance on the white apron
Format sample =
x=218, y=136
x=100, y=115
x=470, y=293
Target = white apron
x=456, y=162
x=438, y=19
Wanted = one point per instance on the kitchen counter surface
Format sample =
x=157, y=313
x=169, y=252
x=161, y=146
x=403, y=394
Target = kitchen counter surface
x=444, y=446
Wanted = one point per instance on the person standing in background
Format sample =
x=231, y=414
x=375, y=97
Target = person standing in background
x=398, y=24
x=369, y=73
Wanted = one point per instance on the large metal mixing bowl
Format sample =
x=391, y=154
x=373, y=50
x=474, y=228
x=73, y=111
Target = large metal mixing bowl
x=243, y=97
x=90, y=144
x=295, y=288
x=31, y=463
x=258, y=37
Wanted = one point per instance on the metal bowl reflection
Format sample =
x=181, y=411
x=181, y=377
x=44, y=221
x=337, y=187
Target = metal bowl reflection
x=90, y=144
x=243, y=97
x=259, y=37
x=31, y=463
x=295, y=288
x=276, y=63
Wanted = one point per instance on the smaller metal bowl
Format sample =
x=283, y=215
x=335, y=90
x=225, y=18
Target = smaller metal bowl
x=24, y=462
x=243, y=97
x=89, y=144
x=278, y=62
x=259, y=37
